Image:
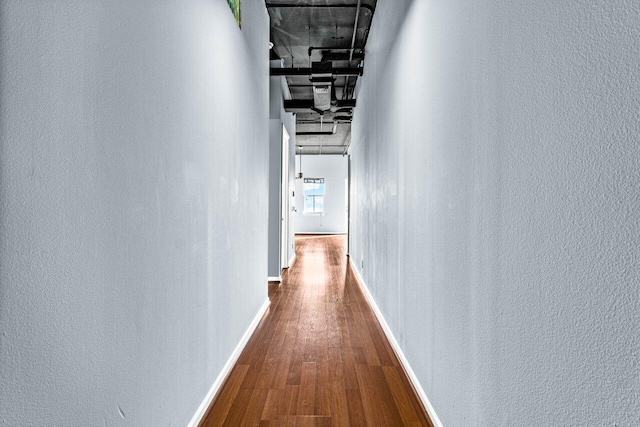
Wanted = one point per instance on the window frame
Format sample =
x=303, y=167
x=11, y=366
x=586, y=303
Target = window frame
x=314, y=196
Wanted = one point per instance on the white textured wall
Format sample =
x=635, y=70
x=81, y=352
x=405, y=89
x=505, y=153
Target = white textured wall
x=278, y=118
x=496, y=159
x=333, y=168
x=133, y=162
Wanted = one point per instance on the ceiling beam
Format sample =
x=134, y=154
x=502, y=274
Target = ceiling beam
x=319, y=6
x=308, y=71
x=296, y=105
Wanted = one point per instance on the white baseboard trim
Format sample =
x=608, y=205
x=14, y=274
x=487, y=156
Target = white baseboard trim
x=275, y=279
x=293, y=258
x=226, y=370
x=320, y=232
x=396, y=348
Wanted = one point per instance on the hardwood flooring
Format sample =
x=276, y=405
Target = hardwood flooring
x=319, y=356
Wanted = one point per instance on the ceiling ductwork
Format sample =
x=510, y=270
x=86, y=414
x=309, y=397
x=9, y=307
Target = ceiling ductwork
x=323, y=91
x=322, y=48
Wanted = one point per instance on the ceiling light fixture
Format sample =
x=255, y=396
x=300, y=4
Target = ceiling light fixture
x=299, y=175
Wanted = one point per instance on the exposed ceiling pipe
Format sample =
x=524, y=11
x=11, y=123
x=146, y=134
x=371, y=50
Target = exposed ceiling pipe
x=327, y=153
x=355, y=30
x=314, y=150
x=345, y=93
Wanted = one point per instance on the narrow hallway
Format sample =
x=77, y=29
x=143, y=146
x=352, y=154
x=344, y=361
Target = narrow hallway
x=319, y=356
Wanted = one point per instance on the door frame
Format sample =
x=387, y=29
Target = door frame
x=285, y=205
x=348, y=203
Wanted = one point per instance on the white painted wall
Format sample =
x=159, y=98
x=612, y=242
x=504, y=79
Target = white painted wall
x=334, y=171
x=133, y=190
x=278, y=117
x=495, y=164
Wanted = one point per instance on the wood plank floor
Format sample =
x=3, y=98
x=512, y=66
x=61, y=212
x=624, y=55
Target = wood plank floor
x=319, y=356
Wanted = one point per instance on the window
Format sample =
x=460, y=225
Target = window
x=314, y=195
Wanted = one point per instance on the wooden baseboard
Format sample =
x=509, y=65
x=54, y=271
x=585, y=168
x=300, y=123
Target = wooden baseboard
x=396, y=347
x=203, y=409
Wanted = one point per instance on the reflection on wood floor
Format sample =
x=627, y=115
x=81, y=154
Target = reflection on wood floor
x=319, y=356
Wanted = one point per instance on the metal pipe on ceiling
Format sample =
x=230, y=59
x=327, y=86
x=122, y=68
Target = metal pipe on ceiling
x=316, y=150
x=340, y=153
x=309, y=147
x=355, y=30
